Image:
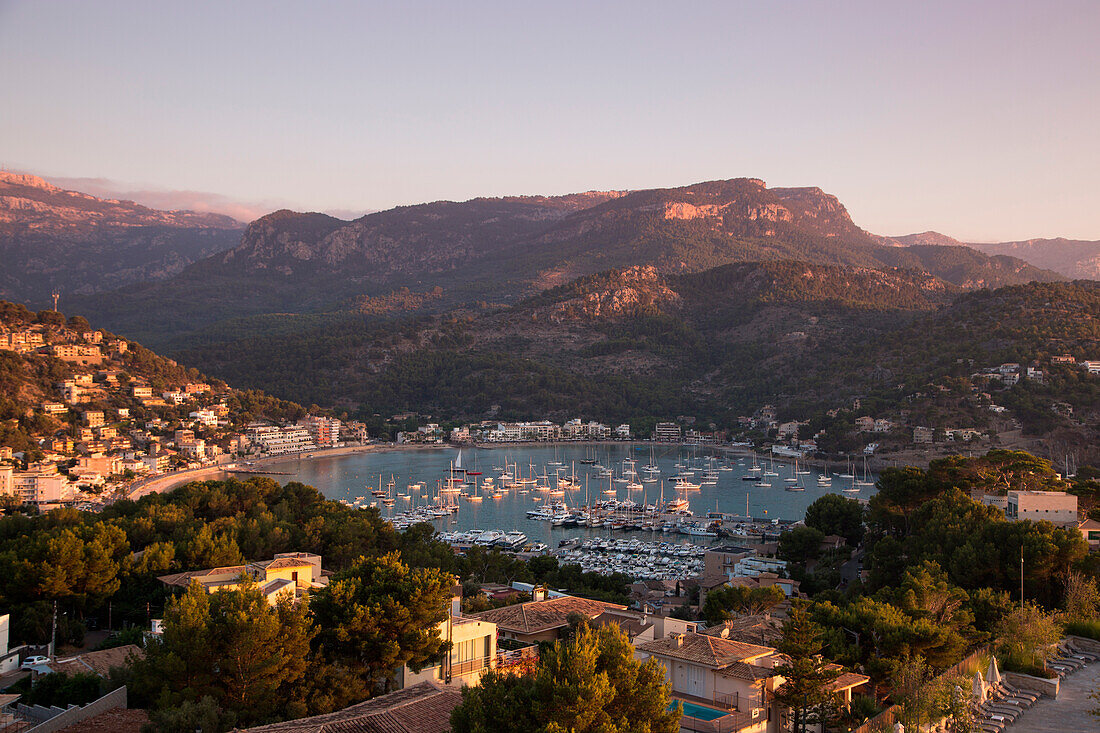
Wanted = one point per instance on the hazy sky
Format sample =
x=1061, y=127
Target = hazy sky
x=977, y=119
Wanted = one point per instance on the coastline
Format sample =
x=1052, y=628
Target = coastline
x=168, y=481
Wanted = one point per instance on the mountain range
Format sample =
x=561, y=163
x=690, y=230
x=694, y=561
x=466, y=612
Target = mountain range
x=51, y=239
x=1074, y=258
x=705, y=299
x=500, y=250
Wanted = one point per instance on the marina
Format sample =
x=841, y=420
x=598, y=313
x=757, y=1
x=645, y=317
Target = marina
x=549, y=493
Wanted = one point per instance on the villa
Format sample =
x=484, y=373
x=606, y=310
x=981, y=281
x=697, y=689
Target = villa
x=296, y=573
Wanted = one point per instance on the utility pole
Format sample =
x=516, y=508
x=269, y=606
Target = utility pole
x=53, y=633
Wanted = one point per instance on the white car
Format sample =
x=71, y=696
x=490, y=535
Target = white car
x=33, y=662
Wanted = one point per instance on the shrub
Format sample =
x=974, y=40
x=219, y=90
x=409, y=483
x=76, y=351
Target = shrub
x=1087, y=629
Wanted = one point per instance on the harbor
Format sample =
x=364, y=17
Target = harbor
x=553, y=492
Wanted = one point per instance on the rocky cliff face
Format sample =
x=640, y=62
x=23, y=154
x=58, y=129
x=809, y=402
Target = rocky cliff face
x=31, y=203
x=53, y=238
x=608, y=296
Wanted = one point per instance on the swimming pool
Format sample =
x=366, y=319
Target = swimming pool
x=698, y=711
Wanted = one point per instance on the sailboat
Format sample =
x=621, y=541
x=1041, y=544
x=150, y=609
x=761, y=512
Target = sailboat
x=476, y=471
x=865, y=480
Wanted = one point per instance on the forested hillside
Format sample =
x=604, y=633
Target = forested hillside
x=499, y=251
x=625, y=345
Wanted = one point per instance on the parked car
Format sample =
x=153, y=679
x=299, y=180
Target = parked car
x=33, y=662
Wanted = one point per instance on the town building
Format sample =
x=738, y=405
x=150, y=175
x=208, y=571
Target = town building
x=667, y=432
x=473, y=650
x=922, y=435
x=542, y=619
x=734, y=679
x=77, y=354
x=206, y=417
x=276, y=441
x=325, y=431
x=295, y=573
x=9, y=658
x=1057, y=507
x=1090, y=530
x=35, y=486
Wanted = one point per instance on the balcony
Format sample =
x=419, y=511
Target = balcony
x=525, y=655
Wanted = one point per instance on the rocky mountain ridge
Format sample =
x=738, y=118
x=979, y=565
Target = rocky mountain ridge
x=53, y=238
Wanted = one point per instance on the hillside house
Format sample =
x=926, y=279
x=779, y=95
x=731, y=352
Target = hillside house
x=542, y=619
x=296, y=573
x=734, y=680
x=1090, y=530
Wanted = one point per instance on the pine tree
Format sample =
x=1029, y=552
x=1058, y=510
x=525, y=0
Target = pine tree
x=806, y=689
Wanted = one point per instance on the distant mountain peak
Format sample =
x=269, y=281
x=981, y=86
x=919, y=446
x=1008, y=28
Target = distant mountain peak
x=924, y=238
x=26, y=179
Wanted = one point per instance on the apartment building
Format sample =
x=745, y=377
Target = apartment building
x=33, y=487
x=667, y=432
x=277, y=441
x=325, y=431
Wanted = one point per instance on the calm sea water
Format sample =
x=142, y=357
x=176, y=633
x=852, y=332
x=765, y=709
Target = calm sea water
x=350, y=476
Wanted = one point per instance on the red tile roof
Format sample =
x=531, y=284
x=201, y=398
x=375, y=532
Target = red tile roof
x=538, y=616
x=712, y=651
x=99, y=662
x=422, y=708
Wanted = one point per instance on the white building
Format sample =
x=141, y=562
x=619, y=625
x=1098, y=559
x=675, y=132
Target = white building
x=277, y=441
x=1057, y=507
x=667, y=432
x=209, y=418
x=33, y=487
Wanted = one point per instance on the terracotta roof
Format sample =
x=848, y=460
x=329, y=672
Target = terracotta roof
x=747, y=672
x=116, y=720
x=536, y=616
x=100, y=662
x=846, y=679
x=422, y=708
x=710, y=650
x=184, y=579
x=283, y=562
x=757, y=629
x=630, y=623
